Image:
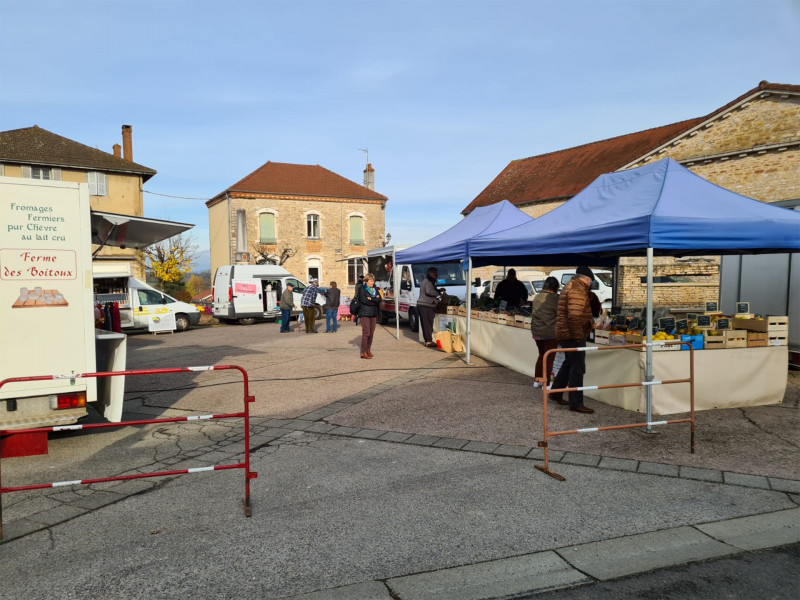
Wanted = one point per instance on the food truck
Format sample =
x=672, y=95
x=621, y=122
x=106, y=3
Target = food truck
x=47, y=321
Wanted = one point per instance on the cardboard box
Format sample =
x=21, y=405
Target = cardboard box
x=444, y=340
x=736, y=338
x=634, y=338
x=767, y=325
x=714, y=342
x=757, y=339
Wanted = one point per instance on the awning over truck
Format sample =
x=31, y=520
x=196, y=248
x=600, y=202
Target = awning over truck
x=111, y=229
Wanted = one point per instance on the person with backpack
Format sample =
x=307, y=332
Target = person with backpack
x=369, y=298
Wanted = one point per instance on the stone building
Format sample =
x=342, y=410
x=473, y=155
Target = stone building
x=750, y=146
x=306, y=218
x=115, y=181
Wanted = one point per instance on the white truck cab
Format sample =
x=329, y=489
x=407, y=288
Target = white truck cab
x=138, y=302
x=245, y=293
x=379, y=262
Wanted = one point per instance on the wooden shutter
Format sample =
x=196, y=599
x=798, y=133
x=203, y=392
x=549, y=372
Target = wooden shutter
x=356, y=231
x=26, y=172
x=266, y=228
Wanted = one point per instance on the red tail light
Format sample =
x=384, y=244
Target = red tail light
x=213, y=294
x=71, y=400
x=230, y=294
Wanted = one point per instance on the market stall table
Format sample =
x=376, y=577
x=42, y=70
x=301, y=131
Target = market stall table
x=728, y=378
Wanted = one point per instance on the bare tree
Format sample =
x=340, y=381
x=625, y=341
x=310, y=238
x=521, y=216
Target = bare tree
x=279, y=257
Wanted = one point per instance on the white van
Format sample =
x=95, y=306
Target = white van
x=379, y=263
x=139, y=301
x=526, y=276
x=245, y=293
x=602, y=285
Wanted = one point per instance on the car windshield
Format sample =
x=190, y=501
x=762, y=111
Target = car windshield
x=450, y=273
x=528, y=287
x=538, y=286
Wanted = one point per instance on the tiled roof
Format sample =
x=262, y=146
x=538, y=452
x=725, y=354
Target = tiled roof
x=562, y=174
x=299, y=180
x=37, y=146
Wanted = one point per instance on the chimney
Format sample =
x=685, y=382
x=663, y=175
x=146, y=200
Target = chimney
x=127, y=143
x=117, y=150
x=369, y=177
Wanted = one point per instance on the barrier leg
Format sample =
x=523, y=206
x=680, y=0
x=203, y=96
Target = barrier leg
x=544, y=444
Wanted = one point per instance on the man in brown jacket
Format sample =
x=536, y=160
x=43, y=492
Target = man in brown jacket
x=573, y=325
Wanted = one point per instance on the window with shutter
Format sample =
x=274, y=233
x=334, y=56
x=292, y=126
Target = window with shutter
x=356, y=231
x=266, y=228
x=42, y=173
x=97, y=183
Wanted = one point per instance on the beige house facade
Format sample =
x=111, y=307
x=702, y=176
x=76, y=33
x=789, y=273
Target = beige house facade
x=750, y=146
x=311, y=221
x=115, y=181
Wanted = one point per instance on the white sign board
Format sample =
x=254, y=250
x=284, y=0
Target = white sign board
x=162, y=322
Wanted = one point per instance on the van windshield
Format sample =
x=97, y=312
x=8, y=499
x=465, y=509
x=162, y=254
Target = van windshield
x=605, y=278
x=450, y=273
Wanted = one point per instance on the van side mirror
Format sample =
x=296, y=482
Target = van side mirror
x=477, y=282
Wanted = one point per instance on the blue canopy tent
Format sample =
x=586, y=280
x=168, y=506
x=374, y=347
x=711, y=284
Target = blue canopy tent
x=452, y=244
x=658, y=209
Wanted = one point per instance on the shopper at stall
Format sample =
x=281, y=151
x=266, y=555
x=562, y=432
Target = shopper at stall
x=307, y=301
x=543, y=328
x=512, y=290
x=573, y=325
x=370, y=299
x=426, y=305
x=287, y=304
x=332, y=297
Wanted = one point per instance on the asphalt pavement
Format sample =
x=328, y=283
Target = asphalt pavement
x=363, y=493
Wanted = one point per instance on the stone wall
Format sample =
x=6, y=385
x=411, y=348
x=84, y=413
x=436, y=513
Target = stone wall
x=333, y=246
x=703, y=287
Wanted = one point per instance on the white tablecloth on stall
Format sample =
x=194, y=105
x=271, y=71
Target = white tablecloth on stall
x=728, y=378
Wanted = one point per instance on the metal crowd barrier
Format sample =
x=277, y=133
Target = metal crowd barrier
x=245, y=414
x=546, y=392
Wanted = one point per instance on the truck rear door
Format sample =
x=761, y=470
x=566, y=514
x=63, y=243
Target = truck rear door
x=247, y=297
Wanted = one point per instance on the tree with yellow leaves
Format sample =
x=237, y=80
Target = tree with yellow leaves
x=169, y=260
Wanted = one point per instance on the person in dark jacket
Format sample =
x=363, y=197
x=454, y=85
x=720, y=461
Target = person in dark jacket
x=359, y=283
x=543, y=328
x=370, y=299
x=573, y=324
x=426, y=305
x=512, y=290
x=287, y=304
x=332, y=297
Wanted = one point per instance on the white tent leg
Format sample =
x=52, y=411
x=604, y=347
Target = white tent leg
x=396, y=290
x=649, y=349
x=469, y=305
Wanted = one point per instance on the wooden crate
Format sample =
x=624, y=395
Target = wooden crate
x=757, y=339
x=778, y=338
x=616, y=339
x=767, y=325
x=634, y=338
x=714, y=342
x=601, y=337
x=461, y=311
x=736, y=338
x=451, y=310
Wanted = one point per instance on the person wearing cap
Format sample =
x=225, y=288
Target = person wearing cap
x=573, y=325
x=332, y=300
x=307, y=301
x=512, y=290
x=287, y=304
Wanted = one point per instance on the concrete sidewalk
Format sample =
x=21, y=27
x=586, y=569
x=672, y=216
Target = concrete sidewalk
x=406, y=481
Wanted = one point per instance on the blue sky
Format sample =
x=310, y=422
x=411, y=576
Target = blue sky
x=444, y=94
